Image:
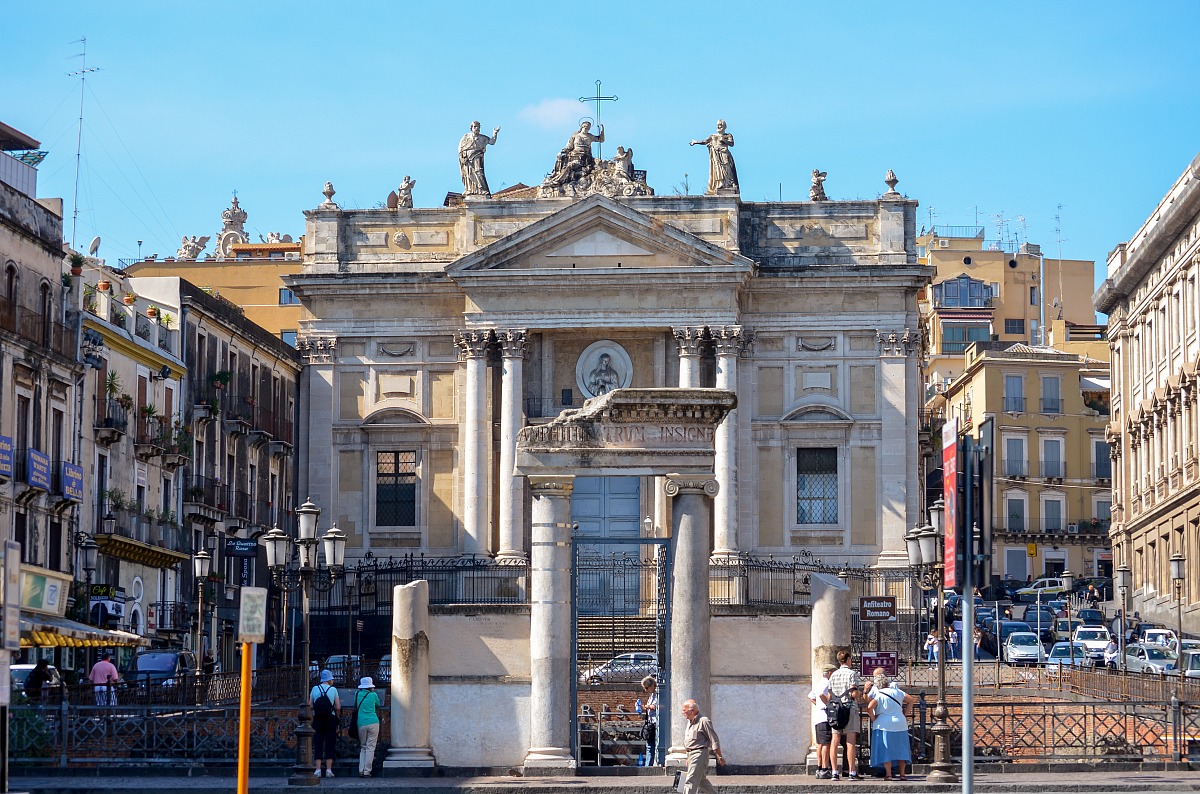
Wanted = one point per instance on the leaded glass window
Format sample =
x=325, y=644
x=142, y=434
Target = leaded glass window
x=816, y=486
x=396, y=489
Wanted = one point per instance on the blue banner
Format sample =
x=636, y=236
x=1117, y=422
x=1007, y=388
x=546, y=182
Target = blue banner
x=72, y=480
x=6, y=456
x=37, y=467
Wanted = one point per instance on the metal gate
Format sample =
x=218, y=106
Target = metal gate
x=620, y=619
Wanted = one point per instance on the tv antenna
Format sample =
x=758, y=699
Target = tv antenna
x=1058, y=235
x=598, y=99
x=83, y=73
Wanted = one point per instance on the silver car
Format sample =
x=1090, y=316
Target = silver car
x=1152, y=659
x=1023, y=647
x=626, y=667
x=1067, y=654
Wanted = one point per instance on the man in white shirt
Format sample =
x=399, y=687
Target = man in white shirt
x=819, y=697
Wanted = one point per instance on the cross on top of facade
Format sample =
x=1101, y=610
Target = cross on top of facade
x=598, y=99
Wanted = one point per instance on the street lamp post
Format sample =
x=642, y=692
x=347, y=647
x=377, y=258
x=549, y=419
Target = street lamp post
x=1178, y=563
x=924, y=557
x=1069, y=583
x=89, y=548
x=277, y=547
x=201, y=567
x=1122, y=581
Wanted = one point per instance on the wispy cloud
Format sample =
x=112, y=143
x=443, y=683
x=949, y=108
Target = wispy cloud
x=553, y=114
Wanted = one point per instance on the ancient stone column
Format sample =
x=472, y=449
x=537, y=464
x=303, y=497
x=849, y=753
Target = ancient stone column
x=410, y=744
x=829, y=629
x=898, y=484
x=689, y=341
x=473, y=345
x=691, y=663
x=513, y=346
x=728, y=342
x=550, y=623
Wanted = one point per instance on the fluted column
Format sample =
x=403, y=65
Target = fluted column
x=689, y=340
x=473, y=346
x=691, y=663
x=410, y=745
x=550, y=623
x=728, y=342
x=513, y=346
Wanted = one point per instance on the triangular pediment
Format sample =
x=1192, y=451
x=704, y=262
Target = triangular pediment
x=597, y=233
x=600, y=243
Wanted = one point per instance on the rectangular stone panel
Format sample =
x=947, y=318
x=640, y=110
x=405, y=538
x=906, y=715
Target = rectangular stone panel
x=864, y=496
x=395, y=386
x=862, y=391
x=441, y=395
x=353, y=395
x=770, y=496
x=442, y=346
x=370, y=239
x=699, y=225
x=820, y=380
x=350, y=472
x=863, y=342
x=439, y=466
x=770, y=391
x=431, y=238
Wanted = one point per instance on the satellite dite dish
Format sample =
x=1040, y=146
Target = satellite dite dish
x=94, y=247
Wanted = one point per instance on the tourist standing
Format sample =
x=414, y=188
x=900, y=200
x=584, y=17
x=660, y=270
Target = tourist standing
x=325, y=707
x=699, y=742
x=104, y=679
x=889, y=726
x=819, y=697
x=845, y=685
x=650, y=708
x=366, y=706
x=931, y=647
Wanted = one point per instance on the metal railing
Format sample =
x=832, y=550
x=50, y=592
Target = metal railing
x=108, y=413
x=1102, y=471
x=172, y=615
x=1050, y=405
x=1053, y=468
x=759, y=581
x=35, y=327
x=207, y=491
x=1014, y=405
x=1012, y=467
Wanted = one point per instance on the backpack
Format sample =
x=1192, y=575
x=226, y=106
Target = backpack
x=353, y=729
x=323, y=708
x=837, y=710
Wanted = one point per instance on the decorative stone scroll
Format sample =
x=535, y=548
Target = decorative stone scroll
x=397, y=350
x=816, y=344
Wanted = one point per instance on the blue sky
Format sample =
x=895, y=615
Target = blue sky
x=984, y=110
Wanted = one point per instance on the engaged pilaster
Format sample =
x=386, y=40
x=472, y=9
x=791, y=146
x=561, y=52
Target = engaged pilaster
x=513, y=347
x=550, y=623
x=898, y=487
x=691, y=668
x=473, y=346
x=729, y=341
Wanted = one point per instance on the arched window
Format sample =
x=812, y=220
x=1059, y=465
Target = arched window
x=10, y=282
x=46, y=306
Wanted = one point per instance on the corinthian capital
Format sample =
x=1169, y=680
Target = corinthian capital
x=317, y=349
x=473, y=344
x=514, y=343
x=896, y=343
x=689, y=339
x=731, y=340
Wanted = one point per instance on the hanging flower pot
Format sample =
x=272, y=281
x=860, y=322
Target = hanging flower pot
x=104, y=286
x=129, y=298
x=152, y=312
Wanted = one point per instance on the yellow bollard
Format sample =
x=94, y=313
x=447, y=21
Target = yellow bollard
x=243, y=784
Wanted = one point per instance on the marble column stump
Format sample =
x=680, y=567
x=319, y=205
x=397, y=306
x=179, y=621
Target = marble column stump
x=410, y=736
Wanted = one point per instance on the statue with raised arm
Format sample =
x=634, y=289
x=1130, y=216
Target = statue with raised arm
x=722, y=174
x=404, y=192
x=817, y=191
x=470, y=160
x=576, y=161
x=623, y=164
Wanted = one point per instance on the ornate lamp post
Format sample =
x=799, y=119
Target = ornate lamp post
x=88, y=549
x=1178, y=563
x=1122, y=581
x=277, y=547
x=201, y=567
x=925, y=559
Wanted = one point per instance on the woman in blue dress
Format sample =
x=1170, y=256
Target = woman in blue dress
x=889, y=726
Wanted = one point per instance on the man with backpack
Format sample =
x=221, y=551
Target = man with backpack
x=325, y=706
x=846, y=688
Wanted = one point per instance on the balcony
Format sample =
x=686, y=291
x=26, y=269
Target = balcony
x=1054, y=469
x=110, y=419
x=239, y=509
x=140, y=538
x=263, y=514
x=37, y=329
x=1050, y=405
x=148, y=439
x=239, y=417
x=205, y=499
x=169, y=617
x=1014, y=405
x=1010, y=467
x=1059, y=528
x=206, y=402
x=1102, y=470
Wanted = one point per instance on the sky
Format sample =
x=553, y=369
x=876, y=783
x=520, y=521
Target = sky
x=1003, y=115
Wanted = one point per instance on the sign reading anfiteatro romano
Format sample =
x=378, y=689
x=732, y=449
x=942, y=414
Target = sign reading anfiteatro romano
x=888, y=660
x=877, y=608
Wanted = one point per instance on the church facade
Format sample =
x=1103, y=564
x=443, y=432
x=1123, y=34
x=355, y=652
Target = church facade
x=433, y=335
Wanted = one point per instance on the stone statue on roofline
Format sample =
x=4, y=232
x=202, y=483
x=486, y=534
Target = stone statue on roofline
x=470, y=160
x=817, y=191
x=722, y=173
x=578, y=173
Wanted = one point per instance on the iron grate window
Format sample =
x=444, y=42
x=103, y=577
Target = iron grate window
x=396, y=489
x=816, y=486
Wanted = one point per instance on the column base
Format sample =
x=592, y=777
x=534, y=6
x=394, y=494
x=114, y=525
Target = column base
x=407, y=757
x=726, y=553
x=510, y=556
x=676, y=758
x=558, y=757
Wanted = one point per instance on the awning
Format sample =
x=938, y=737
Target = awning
x=51, y=631
x=1095, y=384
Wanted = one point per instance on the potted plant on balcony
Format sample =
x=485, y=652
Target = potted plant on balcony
x=220, y=380
x=77, y=261
x=116, y=499
x=129, y=298
x=103, y=285
x=152, y=311
x=125, y=401
x=195, y=493
x=166, y=320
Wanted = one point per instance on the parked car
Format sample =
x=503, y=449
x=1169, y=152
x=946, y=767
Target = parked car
x=1188, y=645
x=1041, y=590
x=626, y=667
x=1042, y=622
x=1023, y=647
x=1091, y=617
x=1103, y=584
x=1190, y=664
x=1141, y=658
x=1001, y=629
x=20, y=672
x=1095, y=639
x=1065, y=627
x=1068, y=654
x=383, y=675
x=983, y=613
x=346, y=669
x=1010, y=587
x=165, y=668
x=1138, y=630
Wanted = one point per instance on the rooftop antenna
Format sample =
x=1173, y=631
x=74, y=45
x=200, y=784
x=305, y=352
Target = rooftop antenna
x=1058, y=234
x=932, y=215
x=83, y=73
x=598, y=99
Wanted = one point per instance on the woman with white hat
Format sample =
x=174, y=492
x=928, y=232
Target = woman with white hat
x=366, y=706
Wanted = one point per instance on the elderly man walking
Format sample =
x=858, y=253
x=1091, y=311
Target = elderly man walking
x=699, y=741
